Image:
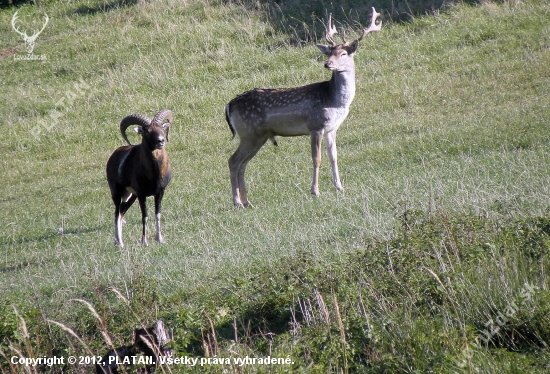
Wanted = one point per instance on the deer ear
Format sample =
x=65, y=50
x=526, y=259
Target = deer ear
x=325, y=49
x=353, y=47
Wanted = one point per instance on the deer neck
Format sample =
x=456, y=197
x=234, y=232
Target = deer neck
x=342, y=86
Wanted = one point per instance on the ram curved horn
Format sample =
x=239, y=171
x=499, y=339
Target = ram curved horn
x=133, y=119
x=160, y=117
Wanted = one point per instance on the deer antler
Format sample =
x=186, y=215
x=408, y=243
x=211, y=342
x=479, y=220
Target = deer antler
x=344, y=36
x=331, y=30
x=373, y=25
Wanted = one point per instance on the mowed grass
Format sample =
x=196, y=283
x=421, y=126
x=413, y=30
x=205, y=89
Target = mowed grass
x=451, y=115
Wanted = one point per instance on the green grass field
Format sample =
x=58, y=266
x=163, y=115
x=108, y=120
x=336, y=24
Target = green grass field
x=443, y=222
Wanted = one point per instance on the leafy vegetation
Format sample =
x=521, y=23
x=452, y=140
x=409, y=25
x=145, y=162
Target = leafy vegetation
x=443, y=226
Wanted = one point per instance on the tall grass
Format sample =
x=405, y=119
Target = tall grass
x=450, y=120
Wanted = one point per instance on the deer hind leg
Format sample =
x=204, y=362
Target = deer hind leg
x=333, y=156
x=235, y=162
x=316, y=140
x=237, y=166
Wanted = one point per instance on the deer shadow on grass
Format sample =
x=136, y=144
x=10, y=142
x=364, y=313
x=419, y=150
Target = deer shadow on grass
x=8, y=3
x=304, y=19
x=103, y=8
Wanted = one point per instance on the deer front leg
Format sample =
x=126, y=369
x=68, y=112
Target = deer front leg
x=316, y=140
x=333, y=156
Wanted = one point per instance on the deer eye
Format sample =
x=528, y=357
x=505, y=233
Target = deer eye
x=344, y=54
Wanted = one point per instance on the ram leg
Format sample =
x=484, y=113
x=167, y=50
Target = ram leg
x=127, y=204
x=158, y=201
x=118, y=228
x=144, y=218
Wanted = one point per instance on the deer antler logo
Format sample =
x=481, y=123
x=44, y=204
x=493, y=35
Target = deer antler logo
x=29, y=40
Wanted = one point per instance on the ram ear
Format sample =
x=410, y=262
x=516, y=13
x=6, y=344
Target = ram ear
x=166, y=128
x=139, y=130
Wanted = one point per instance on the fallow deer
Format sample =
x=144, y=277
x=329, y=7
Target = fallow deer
x=316, y=110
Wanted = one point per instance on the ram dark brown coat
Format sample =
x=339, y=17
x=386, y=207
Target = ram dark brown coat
x=142, y=170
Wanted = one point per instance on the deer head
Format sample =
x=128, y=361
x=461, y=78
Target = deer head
x=341, y=55
x=29, y=40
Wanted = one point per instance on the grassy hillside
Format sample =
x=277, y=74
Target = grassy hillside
x=443, y=222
